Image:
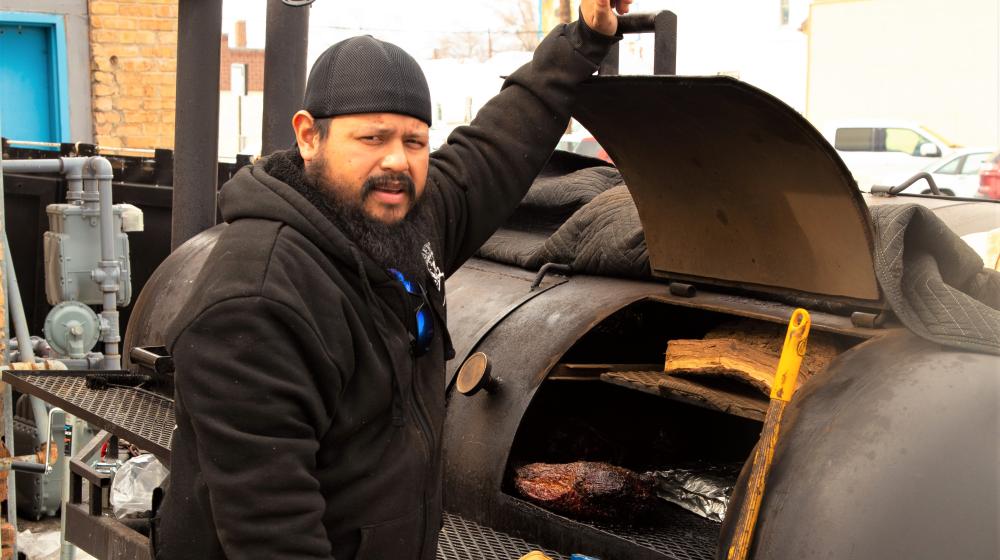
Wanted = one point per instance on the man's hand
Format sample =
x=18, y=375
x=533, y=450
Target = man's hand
x=599, y=15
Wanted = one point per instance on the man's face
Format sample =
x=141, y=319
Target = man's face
x=377, y=161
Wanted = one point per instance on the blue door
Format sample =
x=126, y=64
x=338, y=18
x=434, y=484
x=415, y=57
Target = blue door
x=32, y=98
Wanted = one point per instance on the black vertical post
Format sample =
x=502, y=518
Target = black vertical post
x=196, y=128
x=665, y=44
x=284, y=72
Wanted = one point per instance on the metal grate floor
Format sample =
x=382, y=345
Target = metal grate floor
x=143, y=418
x=677, y=534
x=461, y=539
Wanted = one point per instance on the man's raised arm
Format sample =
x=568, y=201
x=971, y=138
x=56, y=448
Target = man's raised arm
x=486, y=168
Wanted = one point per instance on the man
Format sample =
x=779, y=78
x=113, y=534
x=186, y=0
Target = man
x=310, y=395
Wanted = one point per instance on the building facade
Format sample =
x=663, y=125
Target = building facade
x=45, y=77
x=133, y=46
x=104, y=72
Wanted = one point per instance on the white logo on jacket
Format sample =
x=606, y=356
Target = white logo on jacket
x=432, y=267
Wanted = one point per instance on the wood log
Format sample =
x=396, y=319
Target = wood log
x=769, y=337
x=747, y=351
x=722, y=356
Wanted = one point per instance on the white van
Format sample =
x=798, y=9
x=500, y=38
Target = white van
x=885, y=152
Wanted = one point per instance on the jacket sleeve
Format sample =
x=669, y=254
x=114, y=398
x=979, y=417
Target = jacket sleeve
x=247, y=383
x=485, y=169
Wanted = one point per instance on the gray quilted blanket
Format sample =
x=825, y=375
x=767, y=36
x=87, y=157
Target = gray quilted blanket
x=584, y=218
x=933, y=281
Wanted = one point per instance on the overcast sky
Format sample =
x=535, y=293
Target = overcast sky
x=705, y=30
x=408, y=23
x=713, y=36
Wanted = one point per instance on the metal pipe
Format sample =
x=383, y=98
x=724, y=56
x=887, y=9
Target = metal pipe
x=931, y=183
x=665, y=44
x=91, y=195
x=664, y=27
x=39, y=346
x=110, y=150
x=67, y=551
x=564, y=269
x=74, y=180
x=196, y=129
x=16, y=306
x=285, y=50
x=33, y=166
x=108, y=273
x=636, y=23
x=6, y=398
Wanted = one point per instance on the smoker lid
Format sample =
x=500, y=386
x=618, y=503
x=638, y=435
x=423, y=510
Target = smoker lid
x=734, y=187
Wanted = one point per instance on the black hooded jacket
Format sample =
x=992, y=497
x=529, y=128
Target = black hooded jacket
x=306, y=428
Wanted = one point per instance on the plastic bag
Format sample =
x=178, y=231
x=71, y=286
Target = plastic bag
x=133, y=485
x=39, y=546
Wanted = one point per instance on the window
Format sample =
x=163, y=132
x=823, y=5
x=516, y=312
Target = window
x=855, y=139
x=974, y=162
x=903, y=140
x=950, y=168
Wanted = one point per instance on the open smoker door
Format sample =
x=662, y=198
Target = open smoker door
x=733, y=187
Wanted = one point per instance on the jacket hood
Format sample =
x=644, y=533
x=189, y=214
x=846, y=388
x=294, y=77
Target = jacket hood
x=274, y=188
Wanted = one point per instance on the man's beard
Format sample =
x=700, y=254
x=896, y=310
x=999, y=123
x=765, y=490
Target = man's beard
x=390, y=245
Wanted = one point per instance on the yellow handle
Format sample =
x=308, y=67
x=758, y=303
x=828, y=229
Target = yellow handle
x=791, y=356
x=781, y=392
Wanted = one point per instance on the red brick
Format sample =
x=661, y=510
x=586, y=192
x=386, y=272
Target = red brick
x=143, y=38
x=98, y=7
x=104, y=89
x=137, y=10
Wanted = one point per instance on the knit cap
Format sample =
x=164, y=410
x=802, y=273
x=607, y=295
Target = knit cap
x=366, y=75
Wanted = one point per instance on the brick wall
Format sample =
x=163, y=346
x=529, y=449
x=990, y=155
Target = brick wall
x=253, y=58
x=133, y=48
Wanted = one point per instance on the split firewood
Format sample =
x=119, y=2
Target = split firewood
x=722, y=356
x=747, y=351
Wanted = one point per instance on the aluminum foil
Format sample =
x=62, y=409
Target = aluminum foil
x=704, y=492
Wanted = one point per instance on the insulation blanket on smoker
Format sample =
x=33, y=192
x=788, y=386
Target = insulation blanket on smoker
x=933, y=281
x=585, y=218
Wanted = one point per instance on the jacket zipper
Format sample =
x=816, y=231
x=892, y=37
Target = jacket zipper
x=425, y=429
x=423, y=425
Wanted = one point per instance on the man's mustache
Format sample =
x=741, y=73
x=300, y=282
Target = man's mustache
x=401, y=180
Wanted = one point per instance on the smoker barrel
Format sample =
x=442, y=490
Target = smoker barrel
x=166, y=291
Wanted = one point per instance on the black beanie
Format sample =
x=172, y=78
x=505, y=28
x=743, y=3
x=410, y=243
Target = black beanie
x=365, y=75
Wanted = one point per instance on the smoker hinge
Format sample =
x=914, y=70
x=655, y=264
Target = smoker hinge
x=681, y=289
x=865, y=320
